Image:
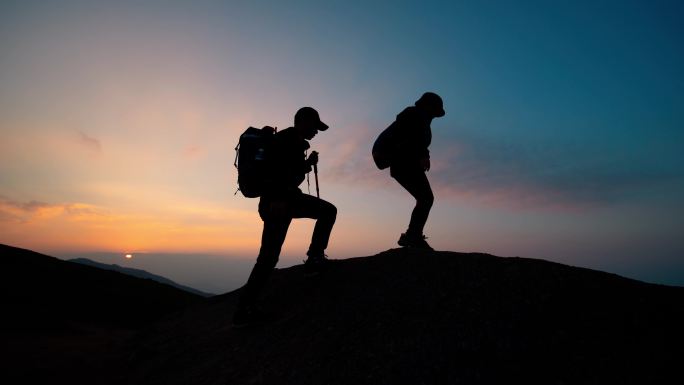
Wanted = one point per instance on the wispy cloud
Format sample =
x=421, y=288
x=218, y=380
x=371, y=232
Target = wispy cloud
x=87, y=226
x=510, y=173
x=92, y=145
x=555, y=175
x=31, y=211
x=193, y=152
x=348, y=159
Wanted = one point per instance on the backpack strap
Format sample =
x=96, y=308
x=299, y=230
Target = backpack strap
x=237, y=152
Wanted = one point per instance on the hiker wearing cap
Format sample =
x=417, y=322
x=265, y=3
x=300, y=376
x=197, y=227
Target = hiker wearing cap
x=281, y=201
x=404, y=147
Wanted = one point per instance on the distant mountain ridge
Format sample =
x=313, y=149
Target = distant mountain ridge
x=139, y=274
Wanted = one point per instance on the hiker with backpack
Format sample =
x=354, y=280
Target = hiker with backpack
x=403, y=147
x=282, y=162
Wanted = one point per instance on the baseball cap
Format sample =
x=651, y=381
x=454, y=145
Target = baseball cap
x=433, y=102
x=309, y=115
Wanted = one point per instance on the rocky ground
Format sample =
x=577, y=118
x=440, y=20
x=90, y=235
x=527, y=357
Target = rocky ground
x=412, y=317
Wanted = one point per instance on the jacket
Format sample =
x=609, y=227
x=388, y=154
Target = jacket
x=411, y=135
x=288, y=166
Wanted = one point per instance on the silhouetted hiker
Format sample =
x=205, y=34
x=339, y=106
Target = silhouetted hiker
x=403, y=147
x=281, y=201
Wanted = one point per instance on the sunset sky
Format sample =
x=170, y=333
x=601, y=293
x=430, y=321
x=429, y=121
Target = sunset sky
x=563, y=137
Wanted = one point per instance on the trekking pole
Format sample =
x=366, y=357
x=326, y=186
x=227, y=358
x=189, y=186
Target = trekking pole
x=318, y=192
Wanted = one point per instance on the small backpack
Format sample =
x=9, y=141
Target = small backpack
x=384, y=148
x=252, y=160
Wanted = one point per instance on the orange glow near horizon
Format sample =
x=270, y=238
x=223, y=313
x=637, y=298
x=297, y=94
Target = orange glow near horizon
x=83, y=227
x=166, y=226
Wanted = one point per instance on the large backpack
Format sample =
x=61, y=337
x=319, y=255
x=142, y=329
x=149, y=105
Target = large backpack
x=252, y=160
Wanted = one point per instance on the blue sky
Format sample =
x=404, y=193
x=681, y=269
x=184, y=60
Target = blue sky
x=561, y=141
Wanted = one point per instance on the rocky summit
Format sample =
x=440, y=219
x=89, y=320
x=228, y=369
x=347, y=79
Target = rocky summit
x=407, y=316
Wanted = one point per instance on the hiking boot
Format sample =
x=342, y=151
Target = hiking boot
x=417, y=241
x=245, y=316
x=316, y=264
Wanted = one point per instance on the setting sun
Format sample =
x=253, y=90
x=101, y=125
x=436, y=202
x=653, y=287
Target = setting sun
x=129, y=256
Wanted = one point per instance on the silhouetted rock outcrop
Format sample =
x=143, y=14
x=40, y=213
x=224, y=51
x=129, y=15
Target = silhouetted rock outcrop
x=414, y=317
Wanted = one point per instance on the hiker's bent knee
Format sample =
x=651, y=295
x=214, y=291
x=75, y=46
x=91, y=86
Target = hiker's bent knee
x=329, y=210
x=430, y=199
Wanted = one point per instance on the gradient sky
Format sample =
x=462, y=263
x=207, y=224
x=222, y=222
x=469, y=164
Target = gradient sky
x=563, y=136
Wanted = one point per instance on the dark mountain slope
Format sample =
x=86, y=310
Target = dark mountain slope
x=63, y=321
x=138, y=273
x=413, y=317
x=45, y=292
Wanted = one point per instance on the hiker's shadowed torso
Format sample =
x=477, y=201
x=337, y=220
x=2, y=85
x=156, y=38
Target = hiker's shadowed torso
x=412, y=135
x=288, y=166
